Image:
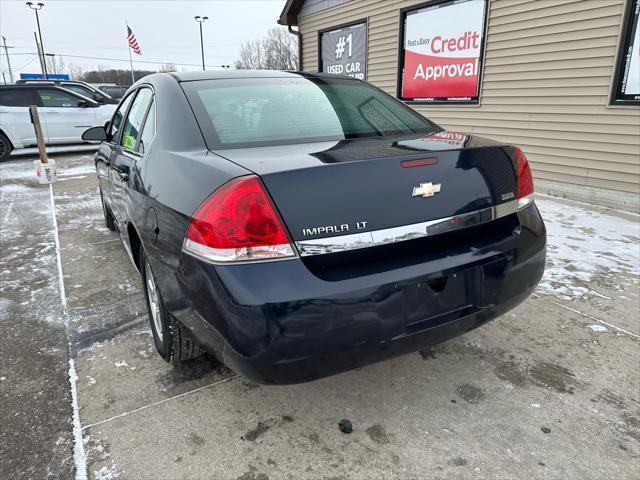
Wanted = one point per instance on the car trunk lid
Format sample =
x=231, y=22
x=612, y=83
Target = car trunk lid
x=333, y=189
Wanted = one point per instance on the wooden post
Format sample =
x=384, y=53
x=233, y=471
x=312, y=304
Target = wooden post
x=33, y=111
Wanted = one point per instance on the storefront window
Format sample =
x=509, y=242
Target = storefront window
x=441, y=52
x=343, y=50
x=626, y=84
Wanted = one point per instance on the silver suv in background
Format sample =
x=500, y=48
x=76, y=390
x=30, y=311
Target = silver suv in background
x=115, y=91
x=64, y=115
x=81, y=88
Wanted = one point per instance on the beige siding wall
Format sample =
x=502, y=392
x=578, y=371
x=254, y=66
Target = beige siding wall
x=548, y=71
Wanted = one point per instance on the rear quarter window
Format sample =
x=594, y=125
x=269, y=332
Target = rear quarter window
x=135, y=117
x=16, y=98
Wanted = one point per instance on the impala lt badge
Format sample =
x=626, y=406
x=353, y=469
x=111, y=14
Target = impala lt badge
x=426, y=189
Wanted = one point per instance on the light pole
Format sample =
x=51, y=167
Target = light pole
x=6, y=52
x=38, y=6
x=200, y=21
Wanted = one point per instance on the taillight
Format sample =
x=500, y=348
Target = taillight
x=525, y=180
x=237, y=223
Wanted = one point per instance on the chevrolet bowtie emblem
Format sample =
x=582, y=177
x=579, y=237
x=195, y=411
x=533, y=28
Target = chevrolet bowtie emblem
x=426, y=190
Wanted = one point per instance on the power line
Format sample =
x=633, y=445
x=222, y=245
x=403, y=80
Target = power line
x=24, y=65
x=121, y=60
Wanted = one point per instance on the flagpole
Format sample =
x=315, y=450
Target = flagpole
x=133, y=80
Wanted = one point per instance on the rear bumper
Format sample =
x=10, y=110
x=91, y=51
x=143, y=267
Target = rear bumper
x=279, y=323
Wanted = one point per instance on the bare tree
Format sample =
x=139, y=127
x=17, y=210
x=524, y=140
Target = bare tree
x=278, y=50
x=251, y=55
x=168, y=67
x=55, y=64
x=75, y=72
x=117, y=76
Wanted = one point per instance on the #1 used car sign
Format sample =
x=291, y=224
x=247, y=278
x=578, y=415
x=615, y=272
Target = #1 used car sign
x=344, y=51
x=443, y=51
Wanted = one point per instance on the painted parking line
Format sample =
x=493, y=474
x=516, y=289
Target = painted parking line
x=610, y=325
x=89, y=244
x=590, y=317
x=79, y=455
x=160, y=402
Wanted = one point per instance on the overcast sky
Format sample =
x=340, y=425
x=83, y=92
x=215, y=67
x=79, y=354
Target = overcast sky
x=166, y=31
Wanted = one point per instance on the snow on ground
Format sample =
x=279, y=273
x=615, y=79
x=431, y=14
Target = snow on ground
x=16, y=170
x=28, y=273
x=106, y=473
x=584, y=244
x=23, y=170
x=89, y=167
x=71, y=149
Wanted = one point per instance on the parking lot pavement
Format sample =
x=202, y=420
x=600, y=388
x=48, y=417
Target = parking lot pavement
x=549, y=390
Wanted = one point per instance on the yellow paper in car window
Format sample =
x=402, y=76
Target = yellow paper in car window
x=129, y=141
x=45, y=97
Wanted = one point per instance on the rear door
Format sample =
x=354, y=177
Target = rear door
x=14, y=116
x=107, y=150
x=126, y=153
x=65, y=115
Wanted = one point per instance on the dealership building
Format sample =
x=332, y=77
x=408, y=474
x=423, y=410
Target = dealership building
x=559, y=78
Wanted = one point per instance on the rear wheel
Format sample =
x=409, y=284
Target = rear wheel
x=108, y=216
x=172, y=339
x=5, y=147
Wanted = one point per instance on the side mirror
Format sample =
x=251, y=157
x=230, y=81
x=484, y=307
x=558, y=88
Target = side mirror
x=95, y=134
x=98, y=98
x=83, y=104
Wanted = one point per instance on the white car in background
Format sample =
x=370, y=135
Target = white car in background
x=64, y=115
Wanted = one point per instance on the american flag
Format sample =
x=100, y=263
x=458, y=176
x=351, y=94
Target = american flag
x=133, y=41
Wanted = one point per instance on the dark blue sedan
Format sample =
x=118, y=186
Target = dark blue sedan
x=297, y=225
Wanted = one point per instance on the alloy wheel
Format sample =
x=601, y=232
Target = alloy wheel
x=154, y=301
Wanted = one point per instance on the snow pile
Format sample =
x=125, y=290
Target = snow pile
x=584, y=245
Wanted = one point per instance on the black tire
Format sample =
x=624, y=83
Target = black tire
x=5, y=147
x=109, y=221
x=173, y=341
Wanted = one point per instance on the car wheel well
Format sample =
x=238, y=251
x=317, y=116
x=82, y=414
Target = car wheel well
x=135, y=244
x=6, y=136
x=4, y=154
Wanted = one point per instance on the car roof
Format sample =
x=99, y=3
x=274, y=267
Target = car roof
x=28, y=81
x=222, y=74
x=33, y=85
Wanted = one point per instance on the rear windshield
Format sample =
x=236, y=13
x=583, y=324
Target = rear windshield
x=274, y=111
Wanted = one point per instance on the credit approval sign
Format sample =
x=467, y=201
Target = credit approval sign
x=442, y=52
